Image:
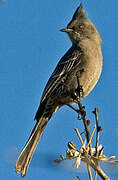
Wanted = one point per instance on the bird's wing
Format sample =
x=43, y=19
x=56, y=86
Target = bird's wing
x=65, y=65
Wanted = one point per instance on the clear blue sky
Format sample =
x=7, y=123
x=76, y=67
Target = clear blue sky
x=30, y=47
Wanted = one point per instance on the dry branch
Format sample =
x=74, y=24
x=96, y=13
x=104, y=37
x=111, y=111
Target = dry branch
x=88, y=153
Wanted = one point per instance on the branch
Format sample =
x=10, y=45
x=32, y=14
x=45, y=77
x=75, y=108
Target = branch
x=95, y=112
x=87, y=153
x=83, y=117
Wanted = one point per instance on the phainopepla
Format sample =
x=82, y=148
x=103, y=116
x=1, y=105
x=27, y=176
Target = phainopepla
x=83, y=63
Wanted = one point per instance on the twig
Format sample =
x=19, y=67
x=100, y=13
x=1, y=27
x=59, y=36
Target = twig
x=89, y=172
x=83, y=117
x=79, y=136
x=95, y=112
x=91, y=137
x=95, y=175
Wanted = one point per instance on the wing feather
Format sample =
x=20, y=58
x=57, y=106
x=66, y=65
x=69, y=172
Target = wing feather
x=65, y=65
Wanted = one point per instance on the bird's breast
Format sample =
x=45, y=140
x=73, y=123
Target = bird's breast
x=92, y=69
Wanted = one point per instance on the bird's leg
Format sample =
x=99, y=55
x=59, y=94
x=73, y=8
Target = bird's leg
x=76, y=110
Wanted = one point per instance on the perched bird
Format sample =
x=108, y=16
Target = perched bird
x=83, y=62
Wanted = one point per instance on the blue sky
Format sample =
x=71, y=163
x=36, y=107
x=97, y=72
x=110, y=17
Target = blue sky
x=30, y=47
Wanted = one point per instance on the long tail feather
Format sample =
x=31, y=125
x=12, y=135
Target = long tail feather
x=26, y=155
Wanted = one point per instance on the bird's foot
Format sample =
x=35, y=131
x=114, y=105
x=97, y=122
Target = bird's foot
x=79, y=92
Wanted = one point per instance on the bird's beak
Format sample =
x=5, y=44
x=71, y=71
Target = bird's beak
x=66, y=30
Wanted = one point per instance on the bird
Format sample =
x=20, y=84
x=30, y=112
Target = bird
x=81, y=63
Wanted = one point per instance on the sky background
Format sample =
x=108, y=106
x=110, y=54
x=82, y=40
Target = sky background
x=30, y=47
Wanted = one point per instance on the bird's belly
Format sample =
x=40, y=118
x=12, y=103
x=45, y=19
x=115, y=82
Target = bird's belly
x=91, y=75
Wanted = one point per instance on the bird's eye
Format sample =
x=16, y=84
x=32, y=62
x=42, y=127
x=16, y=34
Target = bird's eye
x=80, y=27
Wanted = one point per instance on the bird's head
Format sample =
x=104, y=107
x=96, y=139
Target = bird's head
x=80, y=27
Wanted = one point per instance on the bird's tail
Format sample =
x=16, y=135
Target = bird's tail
x=25, y=157
x=44, y=113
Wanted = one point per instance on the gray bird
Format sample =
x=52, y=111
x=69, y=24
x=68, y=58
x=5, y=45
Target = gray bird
x=83, y=62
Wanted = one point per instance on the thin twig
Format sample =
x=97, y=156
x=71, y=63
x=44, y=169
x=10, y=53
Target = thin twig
x=89, y=172
x=97, y=137
x=95, y=175
x=83, y=117
x=91, y=137
x=79, y=136
x=98, y=129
